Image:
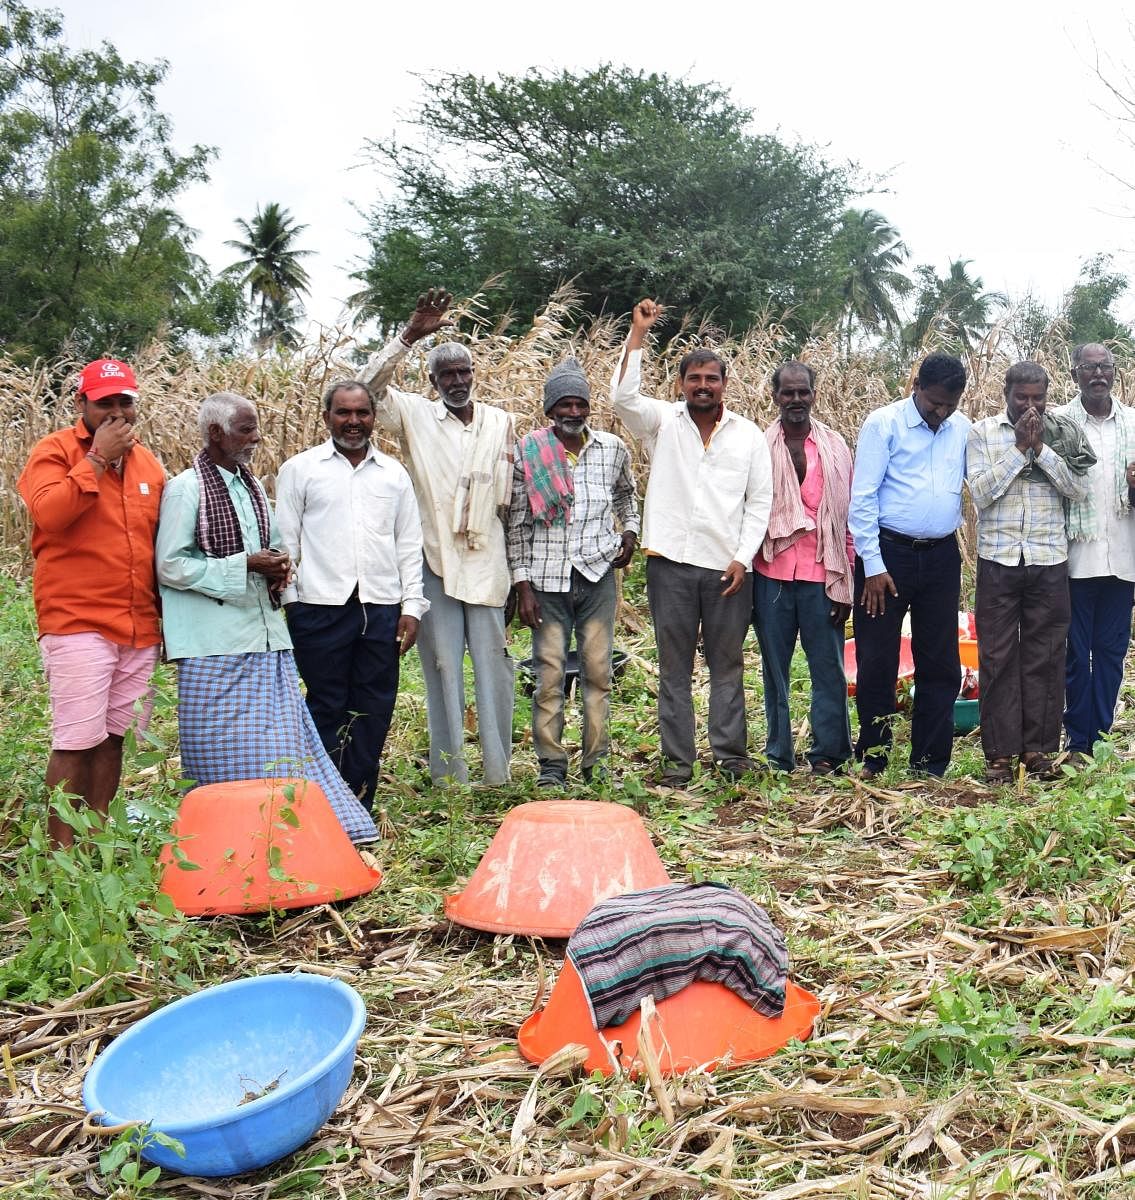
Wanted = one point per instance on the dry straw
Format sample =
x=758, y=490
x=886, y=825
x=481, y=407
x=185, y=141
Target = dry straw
x=510, y=372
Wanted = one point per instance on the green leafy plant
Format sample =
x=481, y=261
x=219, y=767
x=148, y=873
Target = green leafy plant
x=94, y=912
x=972, y=1031
x=1064, y=837
x=122, y=1166
x=305, y=1180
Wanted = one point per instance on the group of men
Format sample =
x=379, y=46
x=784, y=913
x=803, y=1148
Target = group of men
x=778, y=529
x=1053, y=494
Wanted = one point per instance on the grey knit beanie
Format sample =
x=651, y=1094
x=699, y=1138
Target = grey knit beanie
x=565, y=379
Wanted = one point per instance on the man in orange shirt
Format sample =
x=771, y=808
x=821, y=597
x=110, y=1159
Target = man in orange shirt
x=93, y=493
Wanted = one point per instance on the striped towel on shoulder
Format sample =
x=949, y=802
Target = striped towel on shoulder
x=655, y=942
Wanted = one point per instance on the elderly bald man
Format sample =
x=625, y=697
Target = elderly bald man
x=240, y=713
x=1101, y=552
x=459, y=455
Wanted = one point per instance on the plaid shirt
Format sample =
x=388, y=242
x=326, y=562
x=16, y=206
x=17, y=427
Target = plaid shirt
x=604, y=491
x=1020, y=520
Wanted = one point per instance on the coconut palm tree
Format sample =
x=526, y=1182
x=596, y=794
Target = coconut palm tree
x=955, y=309
x=866, y=256
x=271, y=268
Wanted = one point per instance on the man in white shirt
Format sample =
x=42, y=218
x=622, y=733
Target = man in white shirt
x=1101, y=553
x=459, y=455
x=349, y=520
x=706, y=511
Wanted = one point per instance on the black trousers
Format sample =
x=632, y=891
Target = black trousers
x=929, y=582
x=348, y=657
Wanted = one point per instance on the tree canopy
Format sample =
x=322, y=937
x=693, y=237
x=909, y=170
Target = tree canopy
x=92, y=253
x=628, y=183
x=866, y=259
x=272, y=271
x=1089, y=302
x=951, y=311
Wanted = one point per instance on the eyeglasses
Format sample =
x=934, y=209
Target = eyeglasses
x=1096, y=368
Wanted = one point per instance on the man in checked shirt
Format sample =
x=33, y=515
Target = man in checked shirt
x=571, y=483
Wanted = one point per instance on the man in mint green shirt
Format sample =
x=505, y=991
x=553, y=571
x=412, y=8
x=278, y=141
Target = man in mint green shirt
x=240, y=711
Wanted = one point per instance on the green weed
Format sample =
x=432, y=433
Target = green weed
x=1067, y=835
x=94, y=912
x=122, y=1166
x=973, y=1031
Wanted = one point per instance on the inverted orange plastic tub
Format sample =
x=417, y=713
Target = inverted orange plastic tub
x=551, y=862
x=258, y=844
x=705, y=1024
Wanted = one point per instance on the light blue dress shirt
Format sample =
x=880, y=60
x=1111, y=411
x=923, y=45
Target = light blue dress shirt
x=907, y=478
x=213, y=605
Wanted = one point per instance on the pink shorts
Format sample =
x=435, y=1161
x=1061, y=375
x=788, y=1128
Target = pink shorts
x=95, y=686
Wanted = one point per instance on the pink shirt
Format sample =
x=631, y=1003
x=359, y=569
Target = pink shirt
x=799, y=560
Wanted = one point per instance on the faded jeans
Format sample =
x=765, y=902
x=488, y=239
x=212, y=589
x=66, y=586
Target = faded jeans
x=783, y=609
x=589, y=609
x=448, y=627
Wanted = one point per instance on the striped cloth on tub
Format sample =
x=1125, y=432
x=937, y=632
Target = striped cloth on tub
x=241, y=716
x=655, y=942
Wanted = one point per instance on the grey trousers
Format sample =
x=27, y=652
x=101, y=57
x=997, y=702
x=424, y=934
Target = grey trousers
x=683, y=600
x=446, y=630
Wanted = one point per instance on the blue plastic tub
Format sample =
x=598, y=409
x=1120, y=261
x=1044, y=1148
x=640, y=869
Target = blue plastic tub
x=287, y=1040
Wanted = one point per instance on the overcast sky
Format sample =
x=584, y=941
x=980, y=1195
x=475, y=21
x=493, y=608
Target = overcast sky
x=983, y=117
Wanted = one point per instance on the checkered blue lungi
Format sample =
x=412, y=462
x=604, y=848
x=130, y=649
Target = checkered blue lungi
x=241, y=716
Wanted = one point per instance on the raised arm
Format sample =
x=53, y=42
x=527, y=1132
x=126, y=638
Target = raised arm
x=428, y=317
x=642, y=415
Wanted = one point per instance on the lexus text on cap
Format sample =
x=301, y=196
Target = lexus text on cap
x=107, y=377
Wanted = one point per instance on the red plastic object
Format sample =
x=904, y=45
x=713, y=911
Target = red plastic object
x=967, y=651
x=551, y=862
x=906, y=662
x=705, y=1024
x=257, y=845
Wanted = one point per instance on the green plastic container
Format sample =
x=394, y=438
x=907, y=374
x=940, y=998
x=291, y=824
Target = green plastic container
x=965, y=715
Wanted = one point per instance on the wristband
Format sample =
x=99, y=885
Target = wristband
x=97, y=459
x=402, y=339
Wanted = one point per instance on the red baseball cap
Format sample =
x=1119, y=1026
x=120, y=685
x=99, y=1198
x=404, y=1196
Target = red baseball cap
x=107, y=377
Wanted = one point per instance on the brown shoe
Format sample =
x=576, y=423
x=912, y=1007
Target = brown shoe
x=998, y=770
x=1040, y=766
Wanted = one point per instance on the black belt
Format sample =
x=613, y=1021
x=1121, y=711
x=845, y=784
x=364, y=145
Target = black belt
x=913, y=543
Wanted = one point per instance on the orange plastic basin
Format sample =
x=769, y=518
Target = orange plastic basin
x=259, y=844
x=551, y=862
x=705, y=1024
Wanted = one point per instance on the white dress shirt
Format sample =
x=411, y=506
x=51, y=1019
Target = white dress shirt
x=348, y=526
x=706, y=505
x=432, y=439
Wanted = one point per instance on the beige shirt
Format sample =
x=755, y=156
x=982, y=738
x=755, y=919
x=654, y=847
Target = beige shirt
x=433, y=445
x=1112, y=553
